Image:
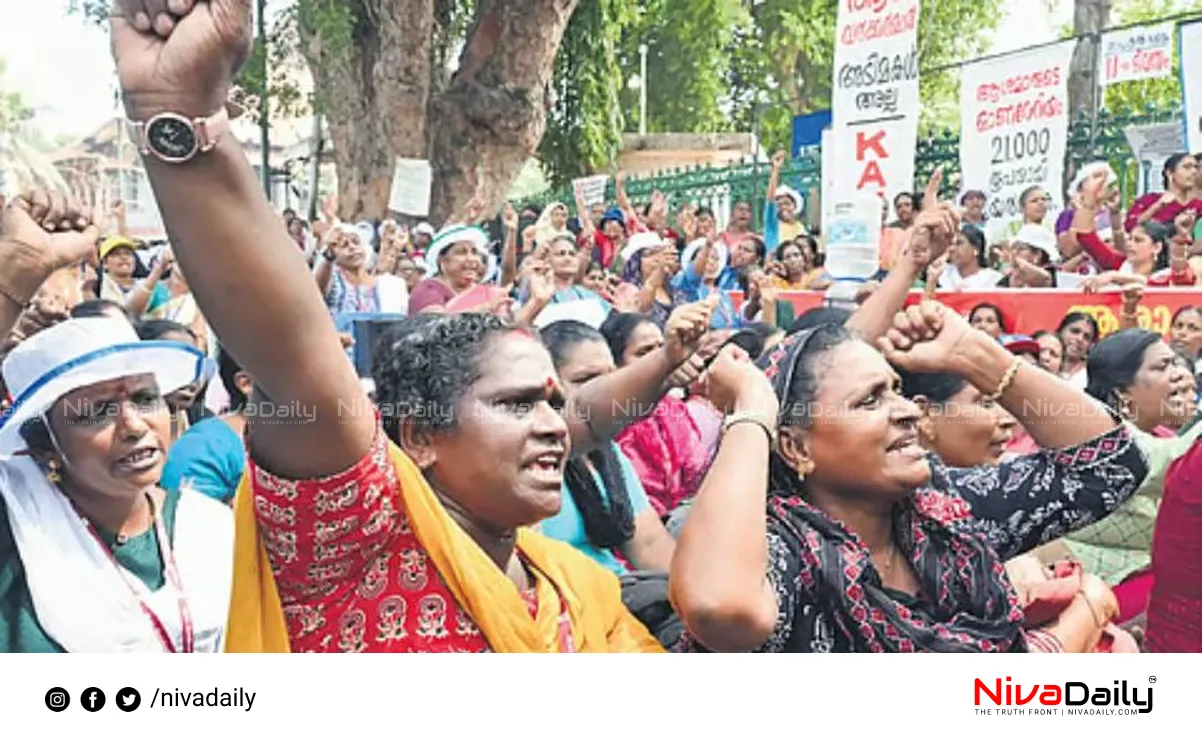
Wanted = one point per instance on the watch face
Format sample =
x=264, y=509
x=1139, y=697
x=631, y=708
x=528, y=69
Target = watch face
x=171, y=137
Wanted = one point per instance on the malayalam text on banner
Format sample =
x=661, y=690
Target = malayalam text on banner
x=1144, y=53
x=875, y=99
x=1014, y=126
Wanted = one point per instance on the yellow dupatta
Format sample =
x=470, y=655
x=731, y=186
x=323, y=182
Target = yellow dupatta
x=599, y=620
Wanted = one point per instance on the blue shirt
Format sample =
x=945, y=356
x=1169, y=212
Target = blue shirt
x=690, y=287
x=571, y=294
x=209, y=458
x=568, y=525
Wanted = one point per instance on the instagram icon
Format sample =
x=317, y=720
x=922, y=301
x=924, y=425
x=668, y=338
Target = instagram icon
x=57, y=699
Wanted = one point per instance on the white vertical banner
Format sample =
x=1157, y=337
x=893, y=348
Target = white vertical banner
x=1143, y=53
x=1014, y=126
x=874, y=99
x=1190, y=59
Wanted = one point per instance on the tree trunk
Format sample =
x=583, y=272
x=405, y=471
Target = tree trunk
x=492, y=116
x=1089, y=17
x=375, y=95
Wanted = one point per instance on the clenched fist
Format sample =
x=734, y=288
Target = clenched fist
x=41, y=233
x=179, y=55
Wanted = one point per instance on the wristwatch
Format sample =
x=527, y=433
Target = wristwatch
x=174, y=138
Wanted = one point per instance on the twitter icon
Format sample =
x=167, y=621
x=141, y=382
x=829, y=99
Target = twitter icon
x=128, y=699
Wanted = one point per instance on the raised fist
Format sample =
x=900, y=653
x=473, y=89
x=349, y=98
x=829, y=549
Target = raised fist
x=179, y=55
x=41, y=233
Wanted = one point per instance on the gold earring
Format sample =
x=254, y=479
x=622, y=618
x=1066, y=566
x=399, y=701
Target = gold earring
x=804, y=470
x=54, y=476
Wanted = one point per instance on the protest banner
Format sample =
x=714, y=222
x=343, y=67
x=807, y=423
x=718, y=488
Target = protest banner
x=874, y=98
x=1014, y=126
x=412, y=181
x=1029, y=311
x=1190, y=59
x=593, y=188
x=1143, y=53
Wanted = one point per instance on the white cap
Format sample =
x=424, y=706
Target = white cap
x=789, y=193
x=1089, y=170
x=720, y=249
x=79, y=353
x=1040, y=238
x=639, y=242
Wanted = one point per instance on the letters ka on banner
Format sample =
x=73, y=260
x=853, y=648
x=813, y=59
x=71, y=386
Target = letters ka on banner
x=1014, y=126
x=1191, y=82
x=1143, y=53
x=875, y=99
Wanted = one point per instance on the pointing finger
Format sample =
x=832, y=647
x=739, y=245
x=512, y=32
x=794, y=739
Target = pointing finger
x=931, y=195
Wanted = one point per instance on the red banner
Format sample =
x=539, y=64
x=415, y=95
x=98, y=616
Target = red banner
x=1029, y=310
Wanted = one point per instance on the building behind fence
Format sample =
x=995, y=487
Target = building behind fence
x=721, y=187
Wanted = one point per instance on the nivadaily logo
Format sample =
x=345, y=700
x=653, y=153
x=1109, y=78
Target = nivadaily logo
x=1072, y=698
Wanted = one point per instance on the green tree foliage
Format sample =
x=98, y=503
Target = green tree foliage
x=584, y=129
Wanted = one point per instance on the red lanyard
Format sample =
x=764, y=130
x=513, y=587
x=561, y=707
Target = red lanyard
x=170, y=571
x=567, y=643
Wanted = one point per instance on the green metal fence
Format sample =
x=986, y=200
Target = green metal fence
x=719, y=188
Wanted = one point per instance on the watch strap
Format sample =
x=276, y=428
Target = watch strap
x=208, y=131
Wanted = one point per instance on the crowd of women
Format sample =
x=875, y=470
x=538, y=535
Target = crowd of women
x=575, y=441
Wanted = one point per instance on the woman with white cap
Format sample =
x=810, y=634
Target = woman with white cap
x=649, y=262
x=702, y=263
x=342, y=273
x=1033, y=255
x=781, y=210
x=456, y=263
x=94, y=555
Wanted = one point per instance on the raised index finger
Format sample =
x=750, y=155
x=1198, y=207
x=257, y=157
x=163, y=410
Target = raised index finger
x=930, y=196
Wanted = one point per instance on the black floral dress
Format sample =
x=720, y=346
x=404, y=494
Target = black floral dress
x=956, y=534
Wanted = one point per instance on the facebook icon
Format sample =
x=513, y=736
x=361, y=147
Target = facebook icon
x=92, y=699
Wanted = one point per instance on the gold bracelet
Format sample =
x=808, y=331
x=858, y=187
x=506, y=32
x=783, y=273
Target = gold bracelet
x=735, y=419
x=1007, y=380
x=1092, y=611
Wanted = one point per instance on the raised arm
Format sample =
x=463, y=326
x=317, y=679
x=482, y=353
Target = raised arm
x=509, y=251
x=139, y=298
x=928, y=240
x=1090, y=467
x=603, y=407
x=30, y=254
x=267, y=312
x=719, y=580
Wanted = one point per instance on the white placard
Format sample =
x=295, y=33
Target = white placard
x=853, y=238
x=411, y=184
x=874, y=159
x=1190, y=53
x=875, y=100
x=1014, y=126
x=593, y=188
x=1144, y=53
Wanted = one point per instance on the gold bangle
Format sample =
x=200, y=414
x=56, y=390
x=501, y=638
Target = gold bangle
x=1007, y=380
